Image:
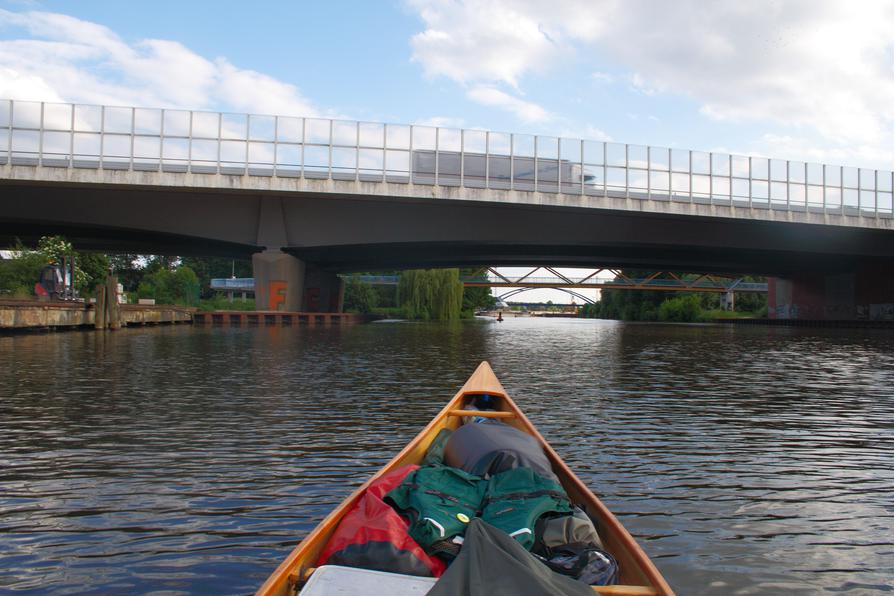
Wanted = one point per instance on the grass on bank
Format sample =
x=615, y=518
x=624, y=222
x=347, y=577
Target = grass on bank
x=220, y=302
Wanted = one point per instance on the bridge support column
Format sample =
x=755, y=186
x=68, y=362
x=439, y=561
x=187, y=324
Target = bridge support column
x=286, y=283
x=279, y=281
x=323, y=291
x=728, y=301
x=866, y=294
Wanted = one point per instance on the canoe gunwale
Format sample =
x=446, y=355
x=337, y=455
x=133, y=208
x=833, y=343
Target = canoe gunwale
x=293, y=569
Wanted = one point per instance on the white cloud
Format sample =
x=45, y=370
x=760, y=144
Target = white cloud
x=69, y=59
x=442, y=122
x=482, y=40
x=822, y=67
x=524, y=110
x=589, y=133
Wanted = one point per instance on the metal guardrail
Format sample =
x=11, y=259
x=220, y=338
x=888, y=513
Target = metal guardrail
x=248, y=283
x=732, y=284
x=700, y=284
x=233, y=283
x=164, y=140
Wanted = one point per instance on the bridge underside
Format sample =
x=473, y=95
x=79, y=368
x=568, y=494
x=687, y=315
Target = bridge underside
x=332, y=232
x=350, y=233
x=371, y=257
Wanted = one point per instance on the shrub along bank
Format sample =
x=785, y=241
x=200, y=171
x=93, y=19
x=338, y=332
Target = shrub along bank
x=422, y=294
x=644, y=305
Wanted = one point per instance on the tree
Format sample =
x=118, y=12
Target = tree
x=685, y=308
x=431, y=294
x=476, y=298
x=653, y=305
x=360, y=297
x=178, y=286
x=129, y=269
x=19, y=274
x=208, y=268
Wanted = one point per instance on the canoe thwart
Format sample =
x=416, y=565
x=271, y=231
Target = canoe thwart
x=482, y=413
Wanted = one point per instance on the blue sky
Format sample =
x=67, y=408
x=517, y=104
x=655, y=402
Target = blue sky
x=802, y=80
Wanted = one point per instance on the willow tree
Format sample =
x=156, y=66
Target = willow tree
x=431, y=294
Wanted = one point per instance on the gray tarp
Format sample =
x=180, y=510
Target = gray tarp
x=493, y=564
x=490, y=448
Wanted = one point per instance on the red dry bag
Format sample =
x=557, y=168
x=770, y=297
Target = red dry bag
x=372, y=535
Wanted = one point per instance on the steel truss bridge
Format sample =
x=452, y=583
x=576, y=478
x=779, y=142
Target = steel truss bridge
x=550, y=278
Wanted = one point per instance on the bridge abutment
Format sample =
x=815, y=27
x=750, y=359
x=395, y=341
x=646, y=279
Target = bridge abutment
x=865, y=294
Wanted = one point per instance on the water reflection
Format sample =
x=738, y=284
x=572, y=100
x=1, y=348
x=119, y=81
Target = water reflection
x=184, y=459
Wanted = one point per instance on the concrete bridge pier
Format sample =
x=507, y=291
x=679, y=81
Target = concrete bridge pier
x=279, y=281
x=865, y=294
x=285, y=282
x=323, y=291
x=728, y=301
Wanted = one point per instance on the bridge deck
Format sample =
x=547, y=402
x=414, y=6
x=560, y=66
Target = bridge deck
x=108, y=138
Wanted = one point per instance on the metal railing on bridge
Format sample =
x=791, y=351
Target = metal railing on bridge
x=170, y=140
x=656, y=281
x=236, y=284
x=673, y=282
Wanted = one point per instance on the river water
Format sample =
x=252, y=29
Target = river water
x=191, y=460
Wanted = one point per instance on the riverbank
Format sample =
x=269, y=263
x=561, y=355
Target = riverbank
x=25, y=315
x=22, y=315
x=830, y=324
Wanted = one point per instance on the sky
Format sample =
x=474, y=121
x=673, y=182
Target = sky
x=806, y=80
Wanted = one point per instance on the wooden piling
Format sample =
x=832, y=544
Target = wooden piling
x=112, y=306
x=99, y=314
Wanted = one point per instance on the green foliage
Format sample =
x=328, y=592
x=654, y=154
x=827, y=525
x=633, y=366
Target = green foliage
x=475, y=298
x=19, y=274
x=644, y=305
x=222, y=302
x=390, y=312
x=681, y=309
x=360, y=297
x=709, y=315
x=53, y=248
x=178, y=286
x=751, y=301
x=208, y=268
x=92, y=269
x=431, y=294
x=128, y=268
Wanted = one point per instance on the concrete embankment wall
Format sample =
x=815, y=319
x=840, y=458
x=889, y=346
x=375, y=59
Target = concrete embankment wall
x=33, y=314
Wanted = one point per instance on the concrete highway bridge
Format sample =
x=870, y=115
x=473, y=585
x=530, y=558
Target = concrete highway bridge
x=308, y=198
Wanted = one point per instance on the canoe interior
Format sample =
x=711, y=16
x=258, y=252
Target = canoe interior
x=636, y=568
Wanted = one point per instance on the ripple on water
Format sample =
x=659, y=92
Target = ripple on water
x=745, y=460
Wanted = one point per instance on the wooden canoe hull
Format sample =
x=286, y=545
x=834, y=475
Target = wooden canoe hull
x=639, y=576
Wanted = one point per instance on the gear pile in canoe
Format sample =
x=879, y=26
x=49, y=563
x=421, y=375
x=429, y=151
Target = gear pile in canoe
x=477, y=503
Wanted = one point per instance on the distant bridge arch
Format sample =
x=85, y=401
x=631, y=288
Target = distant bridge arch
x=506, y=295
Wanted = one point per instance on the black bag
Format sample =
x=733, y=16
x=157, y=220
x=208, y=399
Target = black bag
x=585, y=563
